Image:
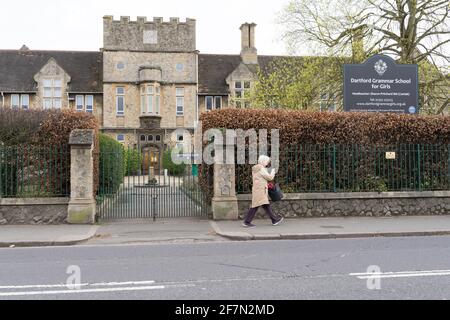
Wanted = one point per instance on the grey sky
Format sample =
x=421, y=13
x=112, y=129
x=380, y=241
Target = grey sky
x=77, y=25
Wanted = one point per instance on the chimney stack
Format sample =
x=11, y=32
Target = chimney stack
x=249, y=54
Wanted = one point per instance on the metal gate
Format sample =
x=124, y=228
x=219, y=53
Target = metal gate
x=137, y=183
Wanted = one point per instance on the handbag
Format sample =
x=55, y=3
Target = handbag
x=275, y=192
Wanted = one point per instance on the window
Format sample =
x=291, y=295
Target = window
x=84, y=103
x=79, y=101
x=25, y=101
x=150, y=96
x=180, y=101
x=241, y=93
x=150, y=138
x=89, y=104
x=121, y=138
x=158, y=138
x=15, y=101
x=120, y=101
x=209, y=101
x=52, y=93
x=213, y=102
x=142, y=138
x=180, y=67
x=218, y=102
x=180, y=141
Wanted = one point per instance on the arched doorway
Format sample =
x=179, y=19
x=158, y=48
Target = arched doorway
x=151, y=160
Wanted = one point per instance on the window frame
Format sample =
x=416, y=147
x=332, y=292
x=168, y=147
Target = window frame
x=121, y=96
x=22, y=105
x=77, y=105
x=179, y=97
x=15, y=97
x=86, y=104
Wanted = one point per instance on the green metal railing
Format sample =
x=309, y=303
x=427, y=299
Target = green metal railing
x=356, y=168
x=31, y=171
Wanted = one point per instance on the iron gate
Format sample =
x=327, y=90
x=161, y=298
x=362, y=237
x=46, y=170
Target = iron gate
x=144, y=183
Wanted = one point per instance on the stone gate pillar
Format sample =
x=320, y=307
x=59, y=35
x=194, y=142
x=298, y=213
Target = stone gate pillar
x=81, y=208
x=224, y=202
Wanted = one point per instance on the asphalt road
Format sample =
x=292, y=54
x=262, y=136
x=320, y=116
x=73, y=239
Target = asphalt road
x=409, y=268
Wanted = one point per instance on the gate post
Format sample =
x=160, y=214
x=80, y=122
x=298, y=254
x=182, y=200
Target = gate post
x=224, y=202
x=81, y=208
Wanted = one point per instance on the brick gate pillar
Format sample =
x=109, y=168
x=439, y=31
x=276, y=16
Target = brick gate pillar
x=81, y=208
x=224, y=202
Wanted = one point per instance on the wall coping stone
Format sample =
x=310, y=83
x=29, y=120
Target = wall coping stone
x=82, y=137
x=33, y=201
x=357, y=195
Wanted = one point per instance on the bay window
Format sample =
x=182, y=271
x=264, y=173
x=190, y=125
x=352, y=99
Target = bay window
x=150, y=98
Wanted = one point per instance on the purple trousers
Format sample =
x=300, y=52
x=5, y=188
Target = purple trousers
x=252, y=213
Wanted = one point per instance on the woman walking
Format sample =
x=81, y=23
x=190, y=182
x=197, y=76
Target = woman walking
x=260, y=193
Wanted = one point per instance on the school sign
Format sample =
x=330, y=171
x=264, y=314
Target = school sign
x=381, y=85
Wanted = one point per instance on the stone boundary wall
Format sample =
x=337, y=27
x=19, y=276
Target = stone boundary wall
x=38, y=211
x=365, y=204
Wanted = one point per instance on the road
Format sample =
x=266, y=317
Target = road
x=411, y=268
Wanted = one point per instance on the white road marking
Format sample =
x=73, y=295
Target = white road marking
x=56, y=292
x=101, y=284
x=401, y=274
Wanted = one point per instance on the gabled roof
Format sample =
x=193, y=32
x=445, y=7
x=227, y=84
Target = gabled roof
x=213, y=69
x=18, y=67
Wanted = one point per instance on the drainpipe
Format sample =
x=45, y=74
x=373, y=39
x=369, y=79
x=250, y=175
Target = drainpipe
x=3, y=100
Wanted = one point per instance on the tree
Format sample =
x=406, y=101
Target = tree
x=410, y=31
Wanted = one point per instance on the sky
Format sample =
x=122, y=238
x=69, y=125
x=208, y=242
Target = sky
x=78, y=25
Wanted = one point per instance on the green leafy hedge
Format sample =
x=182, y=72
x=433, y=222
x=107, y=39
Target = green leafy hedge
x=172, y=168
x=112, y=165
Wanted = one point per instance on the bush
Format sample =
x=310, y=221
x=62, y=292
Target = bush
x=45, y=128
x=132, y=161
x=310, y=169
x=111, y=165
x=172, y=168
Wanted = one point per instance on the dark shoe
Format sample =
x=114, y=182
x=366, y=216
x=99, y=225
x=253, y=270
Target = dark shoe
x=278, y=222
x=248, y=225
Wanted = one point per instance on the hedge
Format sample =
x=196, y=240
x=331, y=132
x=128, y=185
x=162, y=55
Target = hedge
x=172, y=168
x=51, y=129
x=320, y=130
x=112, y=165
x=132, y=161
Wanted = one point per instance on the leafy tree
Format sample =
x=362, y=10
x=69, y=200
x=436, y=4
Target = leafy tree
x=410, y=31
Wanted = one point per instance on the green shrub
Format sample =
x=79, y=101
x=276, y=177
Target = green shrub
x=111, y=168
x=132, y=161
x=172, y=168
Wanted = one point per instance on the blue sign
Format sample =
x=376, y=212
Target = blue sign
x=381, y=85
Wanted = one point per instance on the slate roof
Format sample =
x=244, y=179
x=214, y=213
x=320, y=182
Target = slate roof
x=18, y=67
x=213, y=69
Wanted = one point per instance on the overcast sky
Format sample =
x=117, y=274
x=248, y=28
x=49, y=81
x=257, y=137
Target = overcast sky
x=77, y=25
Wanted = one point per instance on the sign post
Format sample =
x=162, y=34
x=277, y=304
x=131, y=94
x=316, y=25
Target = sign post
x=381, y=85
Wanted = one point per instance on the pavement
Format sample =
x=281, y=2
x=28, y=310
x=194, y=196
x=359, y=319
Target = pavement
x=41, y=236
x=326, y=228
x=183, y=230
